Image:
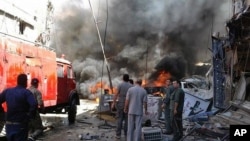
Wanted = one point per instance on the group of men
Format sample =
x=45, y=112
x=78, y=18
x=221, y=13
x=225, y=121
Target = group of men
x=22, y=119
x=130, y=100
x=173, y=103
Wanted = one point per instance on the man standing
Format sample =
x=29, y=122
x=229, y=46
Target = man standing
x=176, y=109
x=36, y=125
x=168, y=90
x=135, y=99
x=21, y=108
x=121, y=96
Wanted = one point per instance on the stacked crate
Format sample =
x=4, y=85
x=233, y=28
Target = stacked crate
x=151, y=134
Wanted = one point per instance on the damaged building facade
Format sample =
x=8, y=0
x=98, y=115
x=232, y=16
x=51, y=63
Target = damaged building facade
x=231, y=70
x=231, y=63
x=229, y=77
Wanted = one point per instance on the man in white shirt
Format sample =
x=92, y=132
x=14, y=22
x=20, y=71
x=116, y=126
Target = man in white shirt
x=135, y=100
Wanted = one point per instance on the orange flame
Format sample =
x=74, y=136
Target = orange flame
x=144, y=82
x=101, y=85
x=160, y=80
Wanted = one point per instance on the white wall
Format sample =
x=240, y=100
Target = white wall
x=25, y=10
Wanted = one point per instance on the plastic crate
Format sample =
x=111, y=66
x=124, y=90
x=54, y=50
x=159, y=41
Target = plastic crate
x=151, y=134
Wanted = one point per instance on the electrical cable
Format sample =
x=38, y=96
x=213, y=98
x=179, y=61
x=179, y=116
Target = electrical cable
x=102, y=47
x=106, y=23
x=105, y=125
x=105, y=33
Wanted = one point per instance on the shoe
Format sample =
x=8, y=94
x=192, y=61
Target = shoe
x=31, y=139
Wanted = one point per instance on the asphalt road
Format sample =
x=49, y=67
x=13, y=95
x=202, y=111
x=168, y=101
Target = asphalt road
x=91, y=125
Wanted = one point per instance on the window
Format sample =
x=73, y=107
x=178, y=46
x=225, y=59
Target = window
x=69, y=72
x=59, y=70
x=22, y=26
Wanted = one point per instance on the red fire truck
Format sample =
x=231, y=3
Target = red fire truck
x=56, y=76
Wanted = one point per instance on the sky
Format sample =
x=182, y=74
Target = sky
x=143, y=38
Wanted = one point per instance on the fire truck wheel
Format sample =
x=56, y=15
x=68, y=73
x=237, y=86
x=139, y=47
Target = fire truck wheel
x=72, y=112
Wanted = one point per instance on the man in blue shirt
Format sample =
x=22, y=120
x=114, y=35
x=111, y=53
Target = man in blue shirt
x=21, y=107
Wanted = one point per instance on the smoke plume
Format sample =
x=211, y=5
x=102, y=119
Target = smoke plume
x=140, y=37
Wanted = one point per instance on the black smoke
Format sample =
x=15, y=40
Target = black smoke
x=142, y=38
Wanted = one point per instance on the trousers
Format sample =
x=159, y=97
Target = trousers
x=17, y=132
x=121, y=116
x=168, y=123
x=134, y=127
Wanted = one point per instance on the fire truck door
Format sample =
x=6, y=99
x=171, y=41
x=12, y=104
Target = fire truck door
x=62, y=95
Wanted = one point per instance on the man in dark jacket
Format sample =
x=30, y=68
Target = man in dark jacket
x=21, y=109
x=168, y=90
x=176, y=109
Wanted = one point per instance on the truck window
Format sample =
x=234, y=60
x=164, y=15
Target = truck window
x=69, y=72
x=60, y=71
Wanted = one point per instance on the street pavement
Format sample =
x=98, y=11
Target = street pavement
x=92, y=125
